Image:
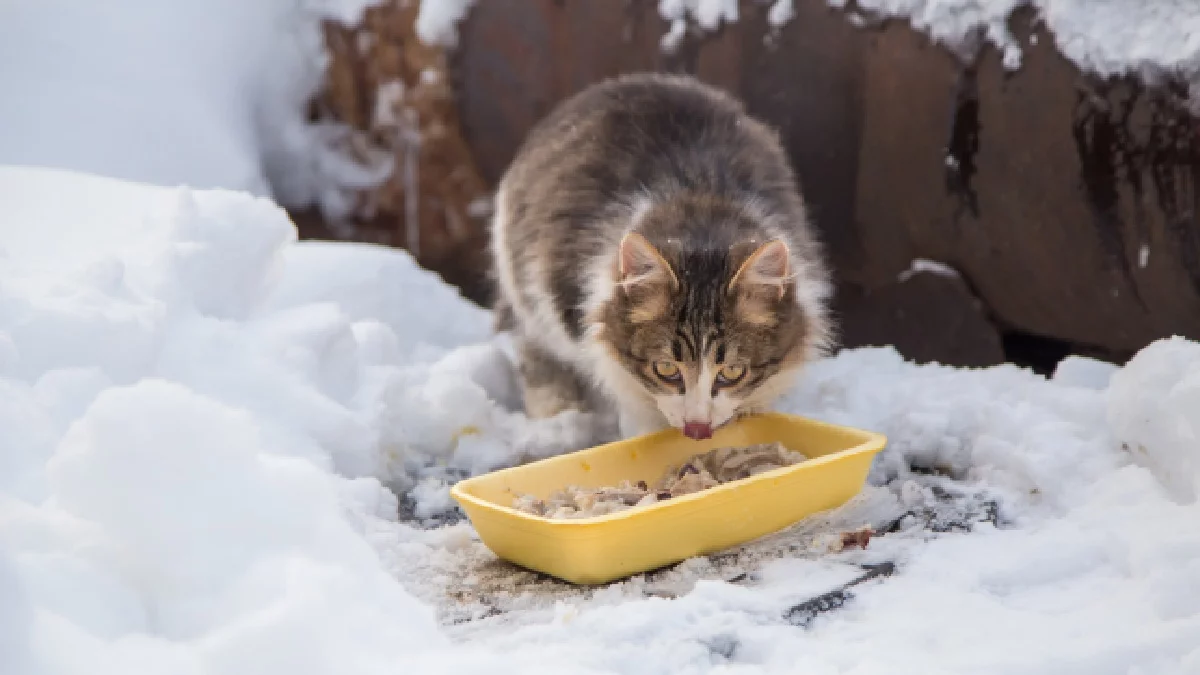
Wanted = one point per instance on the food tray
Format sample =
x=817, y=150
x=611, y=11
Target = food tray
x=605, y=548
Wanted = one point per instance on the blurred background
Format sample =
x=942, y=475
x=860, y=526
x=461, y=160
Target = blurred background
x=997, y=183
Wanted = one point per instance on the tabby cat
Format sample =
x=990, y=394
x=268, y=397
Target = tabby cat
x=652, y=254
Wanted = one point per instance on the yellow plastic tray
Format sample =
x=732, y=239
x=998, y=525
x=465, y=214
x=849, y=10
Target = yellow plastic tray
x=602, y=549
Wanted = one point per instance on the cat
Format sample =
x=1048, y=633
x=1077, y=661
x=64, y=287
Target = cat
x=652, y=253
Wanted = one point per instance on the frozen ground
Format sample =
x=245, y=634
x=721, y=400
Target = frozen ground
x=198, y=416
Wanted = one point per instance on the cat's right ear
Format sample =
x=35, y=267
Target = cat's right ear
x=646, y=278
x=639, y=264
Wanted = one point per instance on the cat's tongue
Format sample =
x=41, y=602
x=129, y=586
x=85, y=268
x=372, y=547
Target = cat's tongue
x=697, y=431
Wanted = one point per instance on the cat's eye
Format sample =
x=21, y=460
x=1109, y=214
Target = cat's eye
x=730, y=374
x=666, y=370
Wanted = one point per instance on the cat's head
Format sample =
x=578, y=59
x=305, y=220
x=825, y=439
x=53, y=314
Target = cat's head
x=713, y=331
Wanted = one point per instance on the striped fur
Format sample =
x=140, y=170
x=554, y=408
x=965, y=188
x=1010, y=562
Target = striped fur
x=722, y=270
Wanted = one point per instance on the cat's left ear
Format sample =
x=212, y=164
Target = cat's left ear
x=640, y=264
x=769, y=268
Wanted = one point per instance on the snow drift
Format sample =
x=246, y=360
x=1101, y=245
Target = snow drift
x=206, y=94
x=183, y=475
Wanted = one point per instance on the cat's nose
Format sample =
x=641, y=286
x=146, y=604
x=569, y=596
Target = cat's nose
x=697, y=431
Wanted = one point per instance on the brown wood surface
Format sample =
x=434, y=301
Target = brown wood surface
x=1041, y=186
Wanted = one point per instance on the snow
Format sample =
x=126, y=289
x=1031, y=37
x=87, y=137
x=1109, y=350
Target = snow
x=707, y=14
x=175, y=92
x=373, y=285
x=1085, y=546
x=1112, y=37
x=169, y=498
x=926, y=266
x=781, y=12
x=1080, y=371
x=200, y=418
x=1152, y=411
x=1102, y=37
x=437, y=21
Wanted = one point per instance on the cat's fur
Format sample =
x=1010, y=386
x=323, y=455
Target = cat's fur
x=649, y=219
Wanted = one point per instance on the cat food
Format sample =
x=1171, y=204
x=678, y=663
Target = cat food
x=857, y=538
x=700, y=472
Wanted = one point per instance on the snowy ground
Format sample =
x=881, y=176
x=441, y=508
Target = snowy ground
x=198, y=416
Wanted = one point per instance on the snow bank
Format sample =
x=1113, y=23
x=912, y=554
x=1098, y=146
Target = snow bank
x=1154, y=410
x=173, y=92
x=199, y=418
x=195, y=413
x=374, y=284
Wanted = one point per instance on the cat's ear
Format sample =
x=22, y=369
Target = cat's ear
x=769, y=267
x=763, y=279
x=646, y=277
x=639, y=264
